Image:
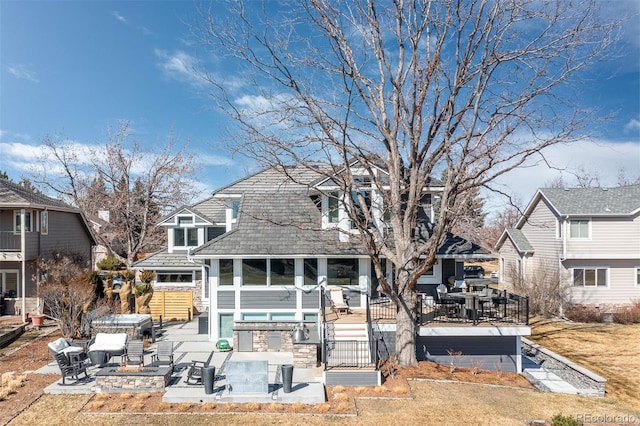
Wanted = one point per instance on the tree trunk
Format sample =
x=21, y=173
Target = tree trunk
x=406, y=330
x=125, y=293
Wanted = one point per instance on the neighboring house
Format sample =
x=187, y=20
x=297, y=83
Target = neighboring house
x=260, y=253
x=588, y=239
x=50, y=226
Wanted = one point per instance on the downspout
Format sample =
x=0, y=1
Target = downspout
x=23, y=241
x=562, y=259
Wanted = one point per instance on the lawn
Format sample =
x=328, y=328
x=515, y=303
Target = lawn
x=610, y=350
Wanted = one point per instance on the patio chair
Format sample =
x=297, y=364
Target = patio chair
x=164, y=354
x=62, y=346
x=338, y=304
x=70, y=369
x=195, y=371
x=134, y=353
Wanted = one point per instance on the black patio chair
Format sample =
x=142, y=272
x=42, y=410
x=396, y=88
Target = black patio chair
x=70, y=369
x=195, y=371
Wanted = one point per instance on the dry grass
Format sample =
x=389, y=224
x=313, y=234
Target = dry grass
x=610, y=350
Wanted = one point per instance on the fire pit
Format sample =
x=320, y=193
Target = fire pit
x=132, y=379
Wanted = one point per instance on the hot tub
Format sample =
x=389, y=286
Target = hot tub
x=135, y=325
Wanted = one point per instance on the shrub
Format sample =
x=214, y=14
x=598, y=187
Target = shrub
x=587, y=313
x=628, y=314
x=561, y=420
x=110, y=263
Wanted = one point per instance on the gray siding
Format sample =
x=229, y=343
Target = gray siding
x=226, y=299
x=311, y=300
x=621, y=289
x=268, y=299
x=610, y=238
x=491, y=352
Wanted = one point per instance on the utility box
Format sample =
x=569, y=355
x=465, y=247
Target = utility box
x=203, y=324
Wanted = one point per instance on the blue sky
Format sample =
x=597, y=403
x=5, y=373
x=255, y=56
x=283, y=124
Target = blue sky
x=76, y=68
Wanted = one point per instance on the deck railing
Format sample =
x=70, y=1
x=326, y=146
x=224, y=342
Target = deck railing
x=350, y=353
x=502, y=307
x=9, y=241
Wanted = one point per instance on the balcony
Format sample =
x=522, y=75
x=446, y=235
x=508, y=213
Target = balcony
x=9, y=241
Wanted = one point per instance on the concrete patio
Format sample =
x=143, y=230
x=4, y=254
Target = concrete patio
x=307, y=386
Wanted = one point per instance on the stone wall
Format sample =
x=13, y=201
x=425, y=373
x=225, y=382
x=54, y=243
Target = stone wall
x=584, y=380
x=305, y=354
x=148, y=381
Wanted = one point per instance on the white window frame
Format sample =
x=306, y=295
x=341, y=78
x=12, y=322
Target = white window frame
x=590, y=268
x=176, y=283
x=44, y=222
x=186, y=231
x=28, y=223
x=580, y=237
x=637, y=271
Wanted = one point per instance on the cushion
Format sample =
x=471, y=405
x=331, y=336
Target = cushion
x=58, y=345
x=109, y=342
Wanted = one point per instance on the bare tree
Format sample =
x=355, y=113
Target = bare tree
x=464, y=89
x=135, y=185
x=507, y=218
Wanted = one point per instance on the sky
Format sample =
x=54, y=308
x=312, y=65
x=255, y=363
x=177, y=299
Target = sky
x=76, y=68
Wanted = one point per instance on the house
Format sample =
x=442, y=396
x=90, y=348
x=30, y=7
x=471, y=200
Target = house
x=261, y=254
x=34, y=226
x=588, y=239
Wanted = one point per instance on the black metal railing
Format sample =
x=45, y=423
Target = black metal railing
x=350, y=353
x=382, y=308
x=9, y=241
x=502, y=307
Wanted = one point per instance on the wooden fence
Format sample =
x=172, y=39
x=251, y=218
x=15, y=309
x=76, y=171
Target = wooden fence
x=171, y=305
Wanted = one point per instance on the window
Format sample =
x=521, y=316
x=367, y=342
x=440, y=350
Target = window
x=334, y=208
x=235, y=208
x=214, y=232
x=9, y=283
x=254, y=317
x=559, y=229
x=590, y=277
x=637, y=276
x=579, y=229
x=226, y=272
x=342, y=271
x=254, y=271
x=283, y=316
x=185, y=237
x=174, y=277
x=18, y=222
x=311, y=272
x=44, y=222
x=282, y=271
x=363, y=189
x=185, y=220
x=226, y=326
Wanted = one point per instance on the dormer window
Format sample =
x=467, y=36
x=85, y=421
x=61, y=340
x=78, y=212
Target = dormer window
x=235, y=208
x=185, y=237
x=185, y=220
x=334, y=207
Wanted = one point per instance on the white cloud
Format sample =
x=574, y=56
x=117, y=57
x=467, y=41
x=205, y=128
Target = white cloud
x=212, y=160
x=119, y=17
x=632, y=125
x=23, y=72
x=601, y=158
x=179, y=66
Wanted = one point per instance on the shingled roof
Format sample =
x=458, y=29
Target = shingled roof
x=279, y=223
x=165, y=260
x=623, y=200
x=14, y=195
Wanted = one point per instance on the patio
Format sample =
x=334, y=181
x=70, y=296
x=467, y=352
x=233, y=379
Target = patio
x=189, y=346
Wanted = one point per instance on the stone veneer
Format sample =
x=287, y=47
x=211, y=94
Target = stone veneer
x=154, y=379
x=587, y=382
x=305, y=354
